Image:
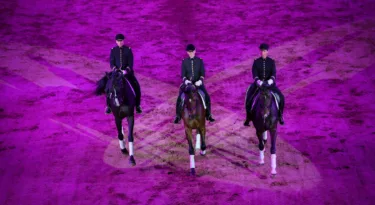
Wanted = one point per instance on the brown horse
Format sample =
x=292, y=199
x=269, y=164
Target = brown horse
x=193, y=115
x=265, y=119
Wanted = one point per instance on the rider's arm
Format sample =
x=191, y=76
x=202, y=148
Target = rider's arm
x=129, y=68
x=112, y=61
x=255, y=72
x=183, y=72
x=202, y=71
x=273, y=71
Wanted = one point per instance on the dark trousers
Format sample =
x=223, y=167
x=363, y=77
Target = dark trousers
x=137, y=88
x=252, y=92
x=207, y=101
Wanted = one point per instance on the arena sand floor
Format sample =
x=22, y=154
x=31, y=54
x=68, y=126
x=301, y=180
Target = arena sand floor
x=58, y=147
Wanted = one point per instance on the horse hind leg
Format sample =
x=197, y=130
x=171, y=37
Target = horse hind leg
x=131, y=140
x=120, y=136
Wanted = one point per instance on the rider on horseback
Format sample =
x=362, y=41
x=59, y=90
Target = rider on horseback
x=192, y=71
x=264, y=73
x=121, y=57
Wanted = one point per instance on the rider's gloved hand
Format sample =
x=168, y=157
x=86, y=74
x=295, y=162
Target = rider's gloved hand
x=187, y=82
x=270, y=81
x=259, y=82
x=124, y=72
x=198, y=83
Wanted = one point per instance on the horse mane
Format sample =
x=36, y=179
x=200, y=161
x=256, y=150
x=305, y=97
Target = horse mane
x=101, y=85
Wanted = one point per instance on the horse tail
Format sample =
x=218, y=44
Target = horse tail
x=101, y=85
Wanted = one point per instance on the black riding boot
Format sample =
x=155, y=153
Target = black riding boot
x=208, y=111
x=178, y=110
x=248, y=119
x=249, y=102
x=249, y=113
x=137, y=90
x=108, y=109
x=281, y=111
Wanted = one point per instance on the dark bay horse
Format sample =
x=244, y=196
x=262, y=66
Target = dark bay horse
x=122, y=102
x=265, y=118
x=193, y=115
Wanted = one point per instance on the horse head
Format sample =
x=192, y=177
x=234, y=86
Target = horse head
x=191, y=98
x=265, y=99
x=117, y=85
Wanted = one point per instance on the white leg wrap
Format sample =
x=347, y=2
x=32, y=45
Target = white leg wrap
x=261, y=157
x=192, y=162
x=273, y=163
x=122, y=144
x=131, y=149
x=198, y=142
x=264, y=135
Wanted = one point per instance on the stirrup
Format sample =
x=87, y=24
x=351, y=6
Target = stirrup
x=108, y=110
x=138, y=109
x=210, y=118
x=177, y=120
x=281, y=120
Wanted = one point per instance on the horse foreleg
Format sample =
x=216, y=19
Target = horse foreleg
x=189, y=136
x=261, y=147
x=131, y=140
x=203, y=140
x=120, y=135
x=273, y=151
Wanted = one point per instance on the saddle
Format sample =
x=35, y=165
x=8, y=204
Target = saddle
x=108, y=88
x=201, y=94
x=255, y=99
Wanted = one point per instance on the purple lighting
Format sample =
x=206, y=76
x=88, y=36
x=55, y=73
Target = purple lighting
x=58, y=147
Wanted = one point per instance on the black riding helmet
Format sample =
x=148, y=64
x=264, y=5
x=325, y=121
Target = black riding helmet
x=120, y=37
x=264, y=46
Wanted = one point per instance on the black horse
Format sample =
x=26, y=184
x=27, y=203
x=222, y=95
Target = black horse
x=193, y=115
x=265, y=119
x=121, y=98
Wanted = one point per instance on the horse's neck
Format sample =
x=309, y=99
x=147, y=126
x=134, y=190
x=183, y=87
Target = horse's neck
x=195, y=102
x=270, y=107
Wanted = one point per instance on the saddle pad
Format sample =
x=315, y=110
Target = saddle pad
x=276, y=97
x=130, y=86
x=277, y=100
x=201, y=94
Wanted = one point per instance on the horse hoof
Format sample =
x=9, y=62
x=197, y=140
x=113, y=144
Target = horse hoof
x=261, y=163
x=246, y=124
x=132, y=160
x=192, y=171
x=203, y=152
x=273, y=173
x=125, y=151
